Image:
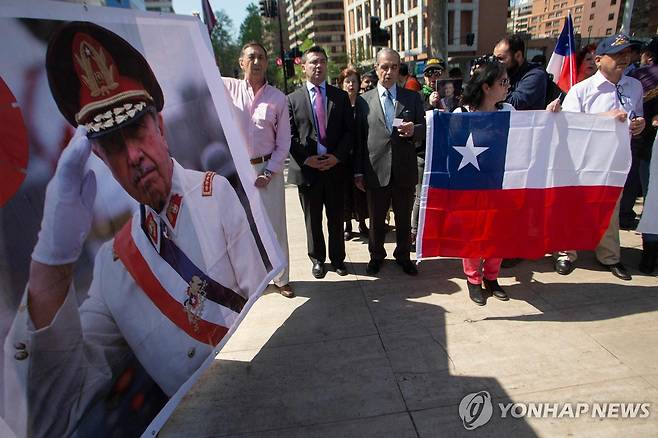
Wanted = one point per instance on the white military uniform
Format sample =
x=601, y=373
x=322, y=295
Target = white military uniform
x=54, y=374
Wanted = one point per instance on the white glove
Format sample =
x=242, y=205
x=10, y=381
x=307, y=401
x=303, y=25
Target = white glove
x=67, y=212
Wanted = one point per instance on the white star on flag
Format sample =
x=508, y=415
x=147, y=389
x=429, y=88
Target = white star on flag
x=469, y=153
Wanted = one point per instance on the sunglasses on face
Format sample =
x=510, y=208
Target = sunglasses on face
x=432, y=73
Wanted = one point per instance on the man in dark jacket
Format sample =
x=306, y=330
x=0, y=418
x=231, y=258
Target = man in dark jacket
x=527, y=81
x=321, y=123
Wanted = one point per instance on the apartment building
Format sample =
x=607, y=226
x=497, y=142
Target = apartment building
x=407, y=23
x=591, y=18
x=320, y=20
x=519, y=17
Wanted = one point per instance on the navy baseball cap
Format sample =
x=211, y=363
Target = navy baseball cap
x=613, y=44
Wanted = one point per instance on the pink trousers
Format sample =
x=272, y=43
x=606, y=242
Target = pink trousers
x=490, y=269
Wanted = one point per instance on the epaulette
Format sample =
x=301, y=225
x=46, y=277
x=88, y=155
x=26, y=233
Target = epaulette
x=207, y=183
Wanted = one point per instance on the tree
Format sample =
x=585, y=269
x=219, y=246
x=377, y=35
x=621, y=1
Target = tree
x=226, y=51
x=252, y=28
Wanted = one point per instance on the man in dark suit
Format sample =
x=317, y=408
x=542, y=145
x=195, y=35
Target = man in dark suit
x=321, y=122
x=390, y=120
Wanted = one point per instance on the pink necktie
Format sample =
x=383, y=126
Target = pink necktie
x=319, y=114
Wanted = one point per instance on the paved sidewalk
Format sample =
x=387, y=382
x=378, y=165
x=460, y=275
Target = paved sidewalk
x=393, y=356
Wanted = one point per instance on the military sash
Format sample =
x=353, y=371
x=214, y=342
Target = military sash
x=196, y=303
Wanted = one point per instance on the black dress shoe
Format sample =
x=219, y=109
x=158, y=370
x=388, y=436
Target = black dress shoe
x=564, y=267
x=494, y=288
x=340, y=268
x=363, y=230
x=619, y=271
x=373, y=267
x=319, y=271
x=475, y=294
x=408, y=267
x=347, y=235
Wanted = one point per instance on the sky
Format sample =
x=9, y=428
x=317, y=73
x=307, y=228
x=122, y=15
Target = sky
x=236, y=9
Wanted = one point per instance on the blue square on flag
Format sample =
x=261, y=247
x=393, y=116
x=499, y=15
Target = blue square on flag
x=472, y=154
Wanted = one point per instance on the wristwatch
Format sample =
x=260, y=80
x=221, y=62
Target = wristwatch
x=267, y=173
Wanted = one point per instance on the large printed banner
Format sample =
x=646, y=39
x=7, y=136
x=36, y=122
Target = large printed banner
x=519, y=184
x=174, y=246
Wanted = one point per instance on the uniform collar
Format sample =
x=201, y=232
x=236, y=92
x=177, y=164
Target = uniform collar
x=170, y=214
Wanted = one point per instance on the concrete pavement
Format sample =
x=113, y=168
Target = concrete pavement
x=393, y=356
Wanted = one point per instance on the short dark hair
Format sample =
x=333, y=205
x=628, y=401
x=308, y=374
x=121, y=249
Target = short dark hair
x=404, y=69
x=515, y=44
x=486, y=72
x=314, y=49
x=252, y=44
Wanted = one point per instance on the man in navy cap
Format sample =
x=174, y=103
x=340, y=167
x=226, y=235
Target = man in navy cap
x=165, y=290
x=608, y=92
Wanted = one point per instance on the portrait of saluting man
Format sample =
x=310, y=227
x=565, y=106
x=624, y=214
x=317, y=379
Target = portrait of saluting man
x=165, y=290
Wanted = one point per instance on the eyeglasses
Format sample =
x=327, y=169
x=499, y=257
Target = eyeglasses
x=504, y=82
x=623, y=99
x=432, y=73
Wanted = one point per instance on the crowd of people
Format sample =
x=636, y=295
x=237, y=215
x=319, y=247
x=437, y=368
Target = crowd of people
x=358, y=153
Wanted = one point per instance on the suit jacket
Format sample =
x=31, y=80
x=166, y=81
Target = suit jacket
x=380, y=154
x=339, y=132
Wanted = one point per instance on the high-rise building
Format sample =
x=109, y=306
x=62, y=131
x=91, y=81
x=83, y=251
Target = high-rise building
x=519, y=15
x=322, y=21
x=591, y=18
x=407, y=22
x=159, y=5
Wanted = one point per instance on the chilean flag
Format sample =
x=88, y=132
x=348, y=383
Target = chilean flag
x=562, y=64
x=519, y=184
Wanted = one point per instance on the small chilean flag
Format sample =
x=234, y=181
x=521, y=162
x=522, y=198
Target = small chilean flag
x=519, y=184
x=562, y=64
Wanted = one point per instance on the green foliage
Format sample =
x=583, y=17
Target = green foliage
x=224, y=46
x=252, y=28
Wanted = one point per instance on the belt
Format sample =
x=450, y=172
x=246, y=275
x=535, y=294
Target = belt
x=262, y=159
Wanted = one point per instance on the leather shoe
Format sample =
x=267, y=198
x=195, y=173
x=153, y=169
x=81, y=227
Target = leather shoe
x=408, y=267
x=363, y=229
x=373, y=267
x=494, y=288
x=475, y=294
x=347, y=235
x=340, y=268
x=286, y=291
x=319, y=271
x=619, y=271
x=564, y=267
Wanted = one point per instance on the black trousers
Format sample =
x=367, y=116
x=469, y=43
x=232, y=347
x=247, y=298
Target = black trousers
x=379, y=200
x=326, y=192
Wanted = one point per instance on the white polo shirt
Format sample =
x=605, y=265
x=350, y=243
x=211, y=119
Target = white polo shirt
x=597, y=95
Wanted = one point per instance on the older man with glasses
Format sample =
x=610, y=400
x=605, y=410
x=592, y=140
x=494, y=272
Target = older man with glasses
x=609, y=92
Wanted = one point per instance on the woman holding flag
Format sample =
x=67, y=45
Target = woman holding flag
x=485, y=91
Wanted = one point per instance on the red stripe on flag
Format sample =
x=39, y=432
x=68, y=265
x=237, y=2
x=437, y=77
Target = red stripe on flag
x=132, y=259
x=568, y=73
x=509, y=223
